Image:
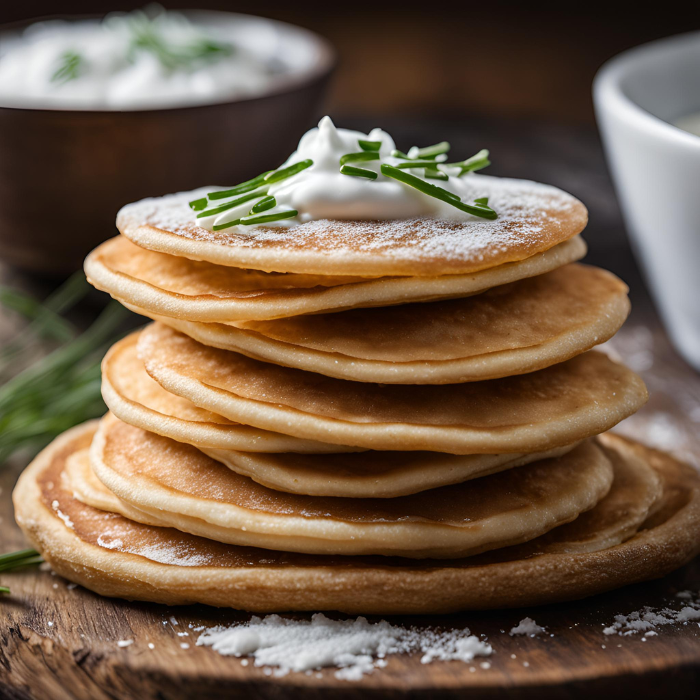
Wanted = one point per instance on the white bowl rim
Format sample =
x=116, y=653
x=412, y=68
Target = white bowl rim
x=607, y=90
x=324, y=67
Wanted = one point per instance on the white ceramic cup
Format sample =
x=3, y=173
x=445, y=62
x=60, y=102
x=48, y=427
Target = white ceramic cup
x=656, y=170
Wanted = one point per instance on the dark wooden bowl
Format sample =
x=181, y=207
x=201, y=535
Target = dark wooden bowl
x=64, y=174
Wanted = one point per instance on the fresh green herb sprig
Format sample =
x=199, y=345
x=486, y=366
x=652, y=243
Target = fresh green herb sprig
x=15, y=560
x=71, y=65
x=62, y=388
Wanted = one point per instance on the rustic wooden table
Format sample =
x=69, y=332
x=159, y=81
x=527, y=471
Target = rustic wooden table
x=60, y=641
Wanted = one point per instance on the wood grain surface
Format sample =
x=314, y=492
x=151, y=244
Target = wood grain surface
x=60, y=642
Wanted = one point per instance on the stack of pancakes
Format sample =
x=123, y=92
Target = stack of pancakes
x=374, y=417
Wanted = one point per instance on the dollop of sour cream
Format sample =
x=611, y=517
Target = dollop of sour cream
x=322, y=191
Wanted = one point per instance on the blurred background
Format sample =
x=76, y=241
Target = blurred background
x=504, y=58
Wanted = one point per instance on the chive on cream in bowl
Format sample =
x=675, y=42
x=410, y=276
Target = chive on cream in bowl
x=648, y=108
x=96, y=113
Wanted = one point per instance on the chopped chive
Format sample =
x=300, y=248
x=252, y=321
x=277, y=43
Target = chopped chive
x=429, y=151
x=358, y=172
x=399, y=154
x=482, y=200
x=284, y=173
x=438, y=192
x=234, y=203
x=198, y=204
x=4, y=589
x=263, y=205
x=435, y=174
x=246, y=186
x=358, y=157
x=369, y=145
x=478, y=161
x=415, y=164
x=265, y=218
x=228, y=224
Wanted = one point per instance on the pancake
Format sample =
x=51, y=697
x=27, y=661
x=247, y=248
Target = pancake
x=114, y=556
x=637, y=493
x=531, y=219
x=508, y=330
x=533, y=412
x=369, y=474
x=184, y=488
x=138, y=400
x=156, y=283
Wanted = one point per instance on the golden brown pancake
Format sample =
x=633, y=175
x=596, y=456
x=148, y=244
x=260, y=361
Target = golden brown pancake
x=508, y=330
x=184, y=488
x=136, y=399
x=533, y=412
x=369, y=474
x=114, y=556
x=156, y=283
x=531, y=219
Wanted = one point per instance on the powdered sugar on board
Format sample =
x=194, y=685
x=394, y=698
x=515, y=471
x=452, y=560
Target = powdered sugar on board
x=647, y=620
x=531, y=217
x=355, y=646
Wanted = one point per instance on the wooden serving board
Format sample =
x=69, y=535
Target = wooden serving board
x=61, y=642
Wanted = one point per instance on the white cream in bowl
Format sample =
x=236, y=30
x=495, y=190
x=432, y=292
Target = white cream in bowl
x=141, y=61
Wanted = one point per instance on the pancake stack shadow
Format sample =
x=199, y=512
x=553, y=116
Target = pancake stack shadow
x=289, y=441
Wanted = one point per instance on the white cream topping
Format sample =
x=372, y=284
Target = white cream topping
x=111, y=73
x=321, y=191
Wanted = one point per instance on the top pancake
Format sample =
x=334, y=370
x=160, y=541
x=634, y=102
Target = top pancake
x=531, y=218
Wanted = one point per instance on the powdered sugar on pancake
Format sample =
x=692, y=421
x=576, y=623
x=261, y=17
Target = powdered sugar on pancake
x=532, y=218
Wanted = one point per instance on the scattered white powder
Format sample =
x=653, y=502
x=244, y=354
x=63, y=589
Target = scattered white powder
x=66, y=520
x=125, y=643
x=527, y=626
x=151, y=645
x=356, y=647
x=648, y=619
x=185, y=645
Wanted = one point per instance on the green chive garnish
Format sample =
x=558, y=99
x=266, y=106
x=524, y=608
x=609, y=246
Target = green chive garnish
x=284, y=173
x=399, y=154
x=435, y=174
x=265, y=218
x=228, y=224
x=263, y=205
x=234, y=203
x=416, y=164
x=72, y=64
x=369, y=145
x=198, y=204
x=479, y=161
x=358, y=157
x=438, y=192
x=358, y=172
x=4, y=589
x=429, y=151
x=246, y=186
x=482, y=200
